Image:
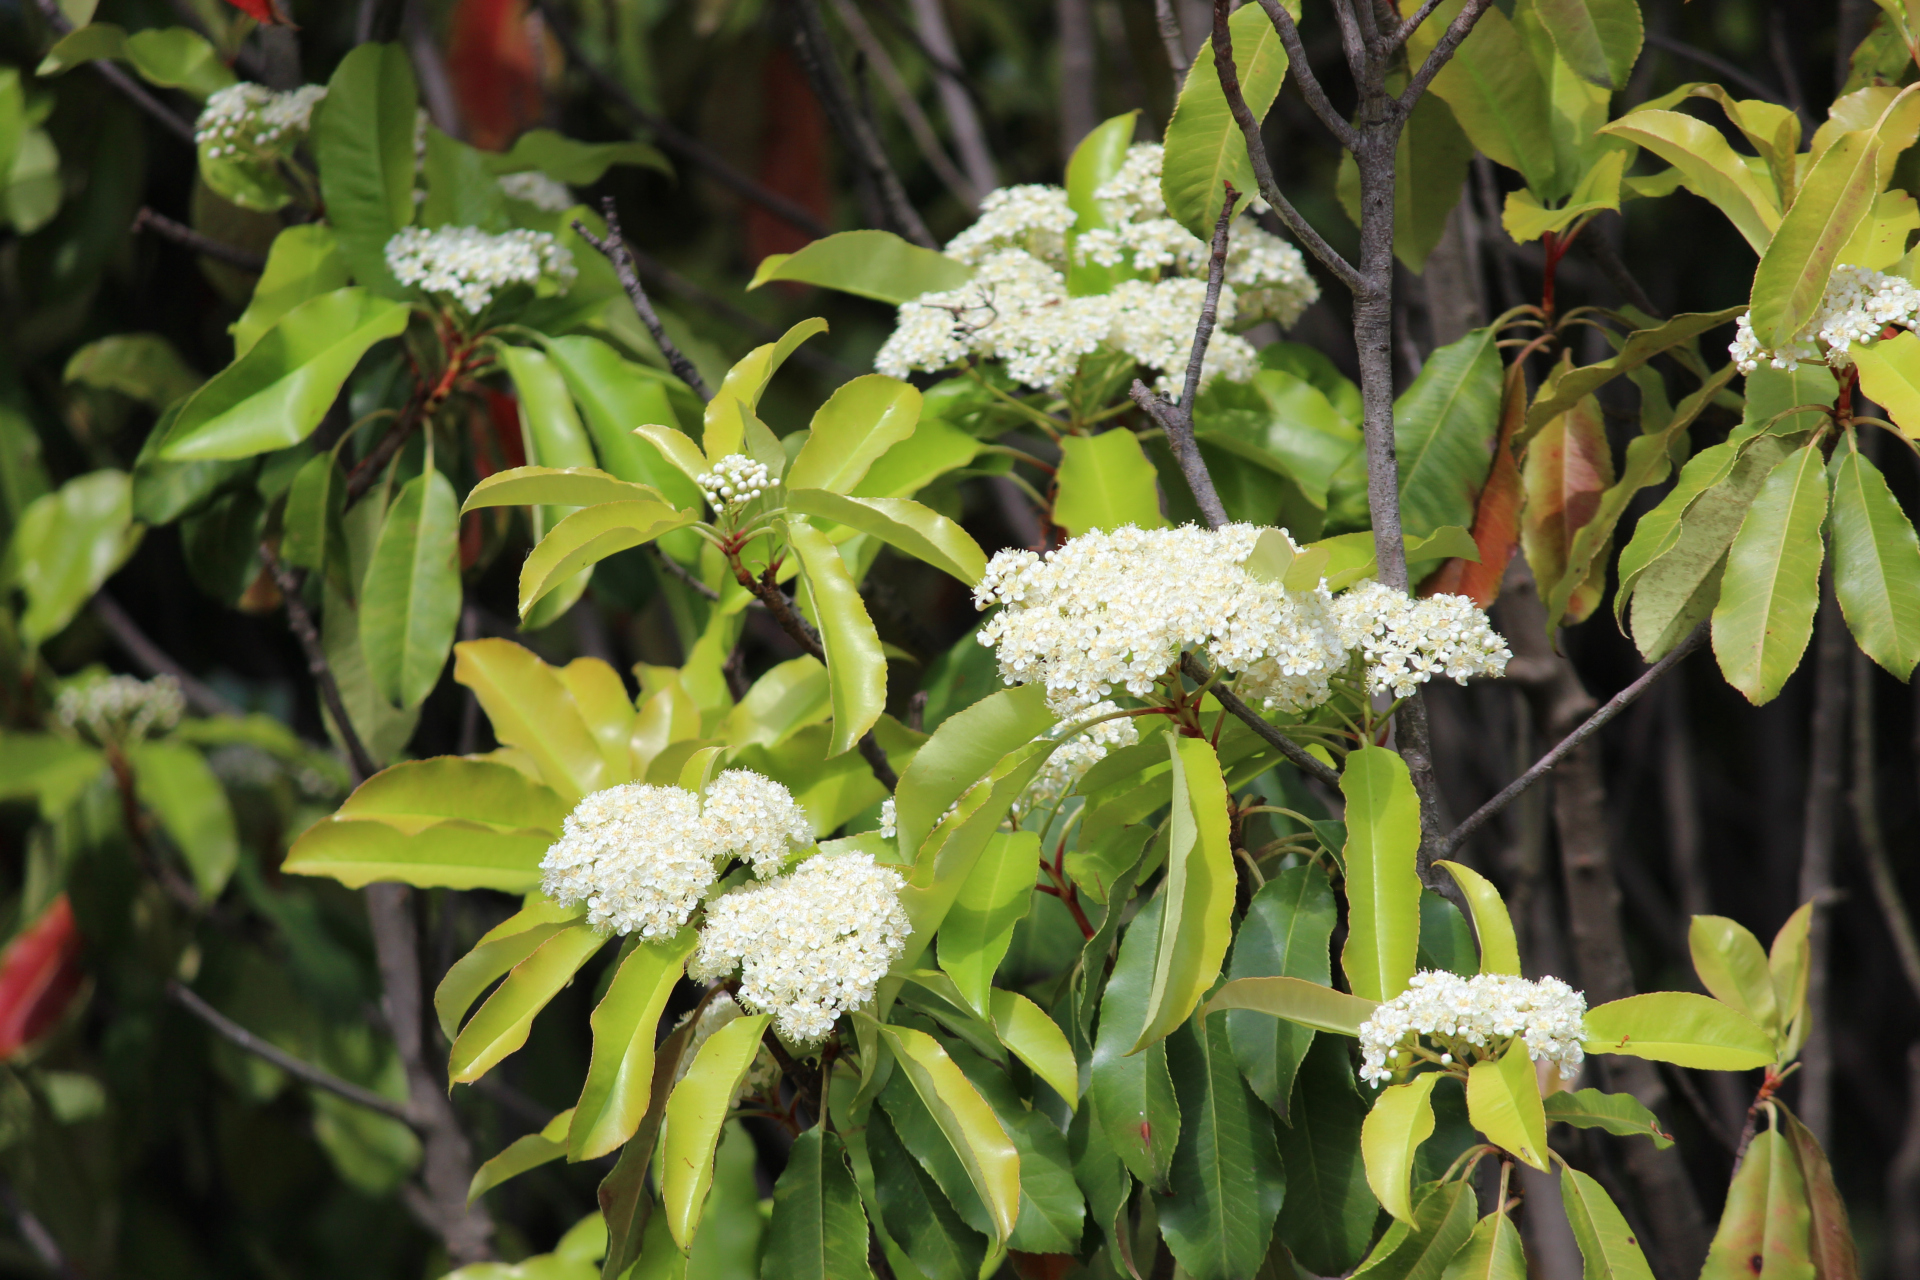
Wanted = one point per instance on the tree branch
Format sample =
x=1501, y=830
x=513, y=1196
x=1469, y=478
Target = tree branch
x=1411, y=25
x=299, y=1069
x=1173, y=40
x=1297, y=755
x=909, y=108
x=290, y=581
x=181, y=234
x=1873, y=837
x=614, y=247
x=1297, y=63
x=155, y=661
x=1459, y=29
x=661, y=276
x=1593, y=723
x=959, y=99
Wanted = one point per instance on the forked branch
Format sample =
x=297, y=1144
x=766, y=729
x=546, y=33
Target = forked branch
x=614, y=249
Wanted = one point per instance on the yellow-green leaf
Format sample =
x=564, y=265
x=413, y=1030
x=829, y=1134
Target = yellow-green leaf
x=1297, y=1000
x=1105, y=482
x=448, y=855
x=1767, y=1219
x=1492, y=1252
x=1733, y=968
x=499, y=949
x=901, y=523
x=969, y=1123
x=532, y=709
x=1401, y=1119
x=1876, y=562
x=1890, y=377
x=1036, y=1040
x=555, y=486
x=871, y=264
x=522, y=1154
x=1503, y=1101
x=1606, y=1241
x=979, y=926
x=502, y=1024
x=589, y=536
x=625, y=1022
x=1499, y=949
x=1708, y=166
x=1383, y=888
x=1835, y=199
x=1204, y=144
x=1680, y=1027
x=695, y=1113
x=856, y=666
x=1197, y=923
x=859, y=422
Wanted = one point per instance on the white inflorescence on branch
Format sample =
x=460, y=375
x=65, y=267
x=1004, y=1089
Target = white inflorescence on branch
x=889, y=818
x=1469, y=1019
x=1017, y=307
x=1855, y=310
x=1079, y=753
x=121, y=709
x=467, y=264
x=1406, y=642
x=734, y=481
x=641, y=857
x=538, y=190
x=252, y=120
x=810, y=945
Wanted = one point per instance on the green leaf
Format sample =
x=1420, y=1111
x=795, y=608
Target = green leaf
x=522, y=1154
x=870, y=264
x=1383, y=889
x=363, y=140
x=859, y=422
x=1524, y=218
x=625, y=1023
x=554, y=433
x=502, y=1024
x=1708, y=166
x=1401, y=1119
x=1606, y=1242
x=530, y=708
x=1132, y=1093
x=970, y=1126
x=1205, y=147
x=1503, y=1101
x=1285, y=934
x=1499, y=950
x=1197, y=922
x=1442, y=1223
x=1496, y=92
x=1429, y=165
x=66, y=545
x=178, y=58
x=747, y=379
x=313, y=530
x=1096, y=159
x=1679, y=1027
x=1890, y=377
x=934, y=449
x=1833, y=200
x=1328, y=1216
x=1733, y=968
x=1307, y=1003
x=418, y=793
x=1876, y=562
x=1034, y=1039
x=85, y=43
x=410, y=602
x=498, y=950
x=901, y=523
x=1642, y=345
x=1771, y=587
x=555, y=486
x=1228, y=1182
x=695, y=1113
x=1105, y=482
x=50, y=770
x=1442, y=426
x=916, y=1213
x=303, y=263
x=1766, y=1228
x=856, y=667
x=1287, y=418
x=174, y=781
x=1600, y=39
x=276, y=394
x=564, y=159
x=979, y=926
x=1617, y=1113
x=818, y=1230
x=452, y=855
x=141, y=366
x=614, y=394
x=1053, y=1211
x=1788, y=960
x=589, y=536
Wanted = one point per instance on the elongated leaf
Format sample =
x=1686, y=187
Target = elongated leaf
x=1833, y=200
x=313, y=526
x=530, y=708
x=1105, y=482
x=971, y=1128
x=1876, y=563
x=363, y=140
x=901, y=523
x=1442, y=426
x=589, y=536
x=276, y=394
x=1383, y=889
x=175, y=781
x=1771, y=587
x=1307, y=1003
x=1285, y=934
x=856, y=667
x=1787, y=960
x=818, y=1230
x=1733, y=968
x=1765, y=1229
x=1228, y=1182
x=452, y=855
x=1679, y=1027
x=1708, y=166
x=522, y=1154
x=555, y=486
x=1496, y=512
x=502, y=1024
x=871, y=264
x=1401, y=1119
x=748, y=378
x=499, y=949
x=410, y=602
x=1492, y=1252
x=1052, y=1208
x=1034, y=1038
x=1615, y=1112
x=1890, y=375
x=626, y=1200
x=1328, y=1216
x=1569, y=465
x=916, y=1213
x=961, y=752
x=1641, y=346
x=979, y=926
x=1503, y=1100
x=1197, y=922
x=1606, y=1242
x=1095, y=160
x=1205, y=147
x=1132, y=1093
x=625, y=1023
x=858, y=423
x=1600, y=39
x=1423, y=1248
x=614, y=394
x=1496, y=92
x=1499, y=950
x=695, y=1112
x=1829, y=1239
x=418, y=793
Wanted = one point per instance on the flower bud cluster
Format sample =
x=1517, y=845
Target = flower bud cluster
x=251, y=120
x=1856, y=309
x=1473, y=1019
x=734, y=481
x=538, y=190
x=1406, y=642
x=467, y=264
x=121, y=709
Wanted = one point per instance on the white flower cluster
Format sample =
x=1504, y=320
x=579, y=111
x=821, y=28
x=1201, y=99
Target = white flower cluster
x=640, y=857
x=810, y=945
x=734, y=481
x=1406, y=642
x=121, y=709
x=1857, y=307
x=889, y=818
x=538, y=190
x=467, y=264
x=248, y=119
x=1017, y=309
x=1476, y=1018
x=1071, y=760
x=1113, y=611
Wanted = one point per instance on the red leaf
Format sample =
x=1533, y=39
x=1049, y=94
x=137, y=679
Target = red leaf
x=1569, y=465
x=494, y=61
x=39, y=974
x=270, y=12
x=793, y=158
x=1496, y=516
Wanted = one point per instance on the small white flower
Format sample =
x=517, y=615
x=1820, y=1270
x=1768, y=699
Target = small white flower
x=734, y=481
x=467, y=264
x=1406, y=642
x=1070, y=761
x=1857, y=307
x=888, y=818
x=538, y=190
x=1479, y=1015
x=750, y=816
x=1032, y=218
x=121, y=709
x=252, y=120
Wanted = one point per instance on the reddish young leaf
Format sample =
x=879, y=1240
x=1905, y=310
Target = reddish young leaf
x=1568, y=467
x=793, y=159
x=270, y=12
x=39, y=974
x=1496, y=516
x=1831, y=1239
x=493, y=60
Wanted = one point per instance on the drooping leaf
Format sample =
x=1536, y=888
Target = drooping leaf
x=520, y=1155
x=1105, y=482
x=1205, y=147
x=141, y=366
x=1832, y=201
x=1285, y=934
x=1496, y=92
x=1442, y=426
x=1401, y=1119
x=818, y=1230
x=1771, y=588
x=1618, y=1113
x=589, y=536
x=871, y=264
x=1600, y=39
x=690, y=1131
x=1197, y=921
x=1641, y=346
x=1569, y=465
x=902, y=524
x=498, y=950
x=1383, y=888
x=363, y=140
x=1829, y=1237
x=970, y=1126
x=1492, y=1252
x=916, y=1213
x=1132, y=1093
x=502, y=1024
x=1499, y=949
x=1890, y=376
x=1496, y=512
x=313, y=532
x=1679, y=1027
x=570, y=161
x=1308, y=1003
x=1708, y=166
x=1422, y=1247
x=410, y=601
x=1766, y=1227
x=615, y=1097
x=856, y=667
x=1035, y=1039
x=961, y=752
x=1876, y=563
x=979, y=926
x=1503, y=1100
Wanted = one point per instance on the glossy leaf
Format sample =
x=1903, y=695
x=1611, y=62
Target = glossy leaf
x=1285, y=933
x=313, y=531
x=178, y=58
x=498, y=950
x=1196, y=924
x=531, y=709
x=916, y=1213
x=1105, y=482
x=859, y=422
x=1733, y=968
x=1228, y=1182
x=1132, y=1093
x=747, y=380
x=1876, y=563
x=589, y=536
x=1680, y=1027
x=1383, y=889
x=1503, y=1101
x=818, y=1230
x=614, y=394
x=175, y=781
x=555, y=486
x=902, y=524
x=1492, y=1252
x=1569, y=465
x=1771, y=588
x=276, y=394
x=1708, y=166
x=625, y=1023
x=502, y=1024
x=1606, y=1242
x=871, y=264
x=1036, y=1040
x=970, y=1126
x=66, y=545
x=451, y=855
x=1496, y=92
x=418, y=793
x=1328, y=1216
x=1617, y=1113
x=1600, y=39
x=1096, y=159
x=626, y=1199
x=1401, y=1119
x=522, y=1154
x=1442, y=425
x=1205, y=147
x=1890, y=376
x=961, y=751
x=1833, y=200
x=1307, y=1003
x=979, y=926
x=1641, y=346
x=695, y=1113
x=856, y=667
x=1499, y=949
x=363, y=140
x=1496, y=512
x=410, y=602
x=1788, y=961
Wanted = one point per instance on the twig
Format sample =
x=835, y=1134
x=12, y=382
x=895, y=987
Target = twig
x=1591, y=725
x=188, y=999
x=677, y=570
x=1303, y=75
x=290, y=581
x=1717, y=65
x=662, y=276
x=155, y=661
x=1173, y=40
x=909, y=108
x=957, y=97
x=181, y=234
x=1196, y=670
x=1210, y=309
x=1457, y=30
x=671, y=137
x=40, y=1240
x=615, y=249
x=1873, y=837
x=119, y=79
x=1411, y=25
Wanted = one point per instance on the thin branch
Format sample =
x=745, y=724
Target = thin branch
x=680, y=572
x=958, y=97
x=614, y=247
x=1718, y=65
x=40, y=1240
x=1593, y=723
x=661, y=276
x=671, y=137
x=1873, y=837
x=290, y=581
x=1411, y=25
x=1303, y=75
x=188, y=999
x=1459, y=29
x=155, y=661
x=1352, y=42
x=182, y=234
x=1196, y=670
x=907, y=105
x=1210, y=309
x=1173, y=40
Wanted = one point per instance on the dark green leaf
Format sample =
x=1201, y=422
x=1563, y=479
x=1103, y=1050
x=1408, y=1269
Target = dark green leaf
x=1228, y=1182
x=1876, y=563
x=1329, y=1213
x=1443, y=1219
x=1284, y=934
x=916, y=1212
x=818, y=1230
x=1442, y=426
x=363, y=140
x=1133, y=1094
x=1771, y=587
x=410, y=606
